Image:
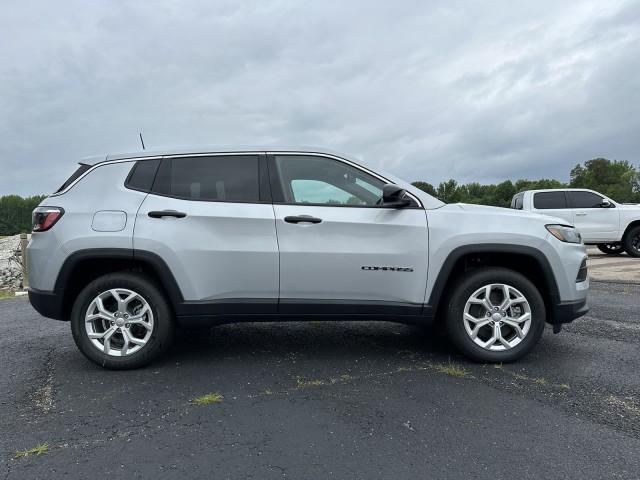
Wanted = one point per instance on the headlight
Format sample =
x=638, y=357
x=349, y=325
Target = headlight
x=565, y=233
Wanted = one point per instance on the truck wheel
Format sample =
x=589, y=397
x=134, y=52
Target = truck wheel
x=122, y=321
x=614, y=248
x=494, y=315
x=631, y=242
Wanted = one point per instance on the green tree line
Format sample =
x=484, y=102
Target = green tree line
x=619, y=180
x=15, y=213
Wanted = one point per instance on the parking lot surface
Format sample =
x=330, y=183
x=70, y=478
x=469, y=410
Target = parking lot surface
x=326, y=400
x=613, y=268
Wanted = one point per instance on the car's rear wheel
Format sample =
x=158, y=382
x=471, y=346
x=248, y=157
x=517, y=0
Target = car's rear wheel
x=631, y=242
x=614, y=248
x=495, y=315
x=121, y=321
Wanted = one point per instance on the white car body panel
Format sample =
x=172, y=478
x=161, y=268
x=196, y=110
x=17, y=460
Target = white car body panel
x=596, y=225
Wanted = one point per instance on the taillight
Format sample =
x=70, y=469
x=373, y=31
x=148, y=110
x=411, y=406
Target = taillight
x=46, y=217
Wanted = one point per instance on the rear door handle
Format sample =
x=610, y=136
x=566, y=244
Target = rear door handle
x=581, y=214
x=302, y=219
x=166, y=213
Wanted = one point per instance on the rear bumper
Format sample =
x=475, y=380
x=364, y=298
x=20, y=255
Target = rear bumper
x=48, y=304
x=565, y=312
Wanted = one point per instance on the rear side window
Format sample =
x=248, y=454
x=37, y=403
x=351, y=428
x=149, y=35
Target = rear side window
x=584, y=200
x=516, y=202
x=232, y=178
x=79, y=171
x=142, y=175
x=548, y=200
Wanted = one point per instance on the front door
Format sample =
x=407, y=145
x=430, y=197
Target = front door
x=341, y=251
x=595, y=222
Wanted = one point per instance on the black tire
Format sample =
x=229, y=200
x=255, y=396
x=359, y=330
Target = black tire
x=161, y=333
x=615, y=248
x=462, y=290
x=631, y=242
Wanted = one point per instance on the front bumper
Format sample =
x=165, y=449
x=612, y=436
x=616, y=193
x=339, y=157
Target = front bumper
x=48, y=304
x=565, y=312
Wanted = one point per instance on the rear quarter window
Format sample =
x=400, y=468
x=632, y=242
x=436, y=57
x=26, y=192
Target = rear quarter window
x=74, y=176
x=142, y=175
x=516, y=202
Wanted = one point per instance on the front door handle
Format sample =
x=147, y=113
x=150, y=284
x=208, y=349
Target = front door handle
x=166, y=213
x=302, y=219
x=581, y=214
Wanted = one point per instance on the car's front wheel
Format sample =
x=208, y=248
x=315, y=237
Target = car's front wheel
x=614, y=248
x=121, y=321
x=495, y=315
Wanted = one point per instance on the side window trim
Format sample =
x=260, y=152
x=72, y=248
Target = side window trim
x=263, y=180
x=277, y=189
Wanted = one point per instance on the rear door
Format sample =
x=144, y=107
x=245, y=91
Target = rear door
x=553, y=203
x=595, y=222
x=210, y=218
x=341, y=251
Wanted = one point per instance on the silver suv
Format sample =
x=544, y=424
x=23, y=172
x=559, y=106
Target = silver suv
x=133, y=245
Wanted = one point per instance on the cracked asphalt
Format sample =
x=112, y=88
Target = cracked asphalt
x=326, y=399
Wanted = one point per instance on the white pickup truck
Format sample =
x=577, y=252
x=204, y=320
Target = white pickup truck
x=612, y=226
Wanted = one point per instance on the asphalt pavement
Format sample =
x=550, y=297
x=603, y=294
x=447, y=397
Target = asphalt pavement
x=326, y=400
x=613, y=268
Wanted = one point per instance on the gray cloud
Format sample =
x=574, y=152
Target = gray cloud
x=428, y=90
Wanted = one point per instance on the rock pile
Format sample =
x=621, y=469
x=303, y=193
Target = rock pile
x=10, y=263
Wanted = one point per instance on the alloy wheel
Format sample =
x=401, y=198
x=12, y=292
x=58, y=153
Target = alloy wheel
x=497, y=317
x=119, y=322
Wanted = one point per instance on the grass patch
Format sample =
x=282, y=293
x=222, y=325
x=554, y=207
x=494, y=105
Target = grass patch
x=540, y=381
x=453, y=370
x=5, y=294
x=564, y=386
x=208, y=399
x=498, y=366
x=35, y=451
x=268, y=392
x=300, y=383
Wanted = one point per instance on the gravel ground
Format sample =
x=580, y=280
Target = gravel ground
x=321, y=400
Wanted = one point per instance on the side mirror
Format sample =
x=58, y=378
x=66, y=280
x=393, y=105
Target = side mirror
x=606, y=204
x=392, y=196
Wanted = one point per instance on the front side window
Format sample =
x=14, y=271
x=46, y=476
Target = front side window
x=584, y=200
x=325, y=181
x=549, y=200
x=232, y=178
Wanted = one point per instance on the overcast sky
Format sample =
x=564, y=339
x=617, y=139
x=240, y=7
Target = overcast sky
x=429, y=90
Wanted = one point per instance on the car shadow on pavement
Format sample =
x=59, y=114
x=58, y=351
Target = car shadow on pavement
x=326, y=339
